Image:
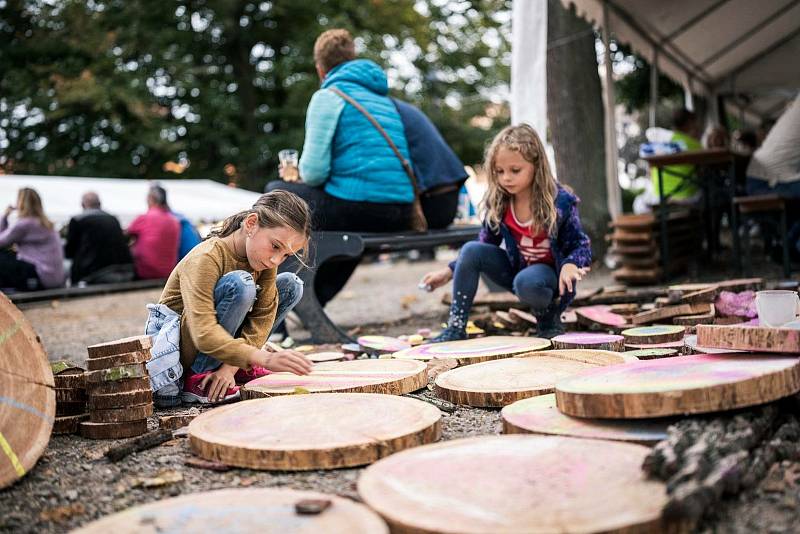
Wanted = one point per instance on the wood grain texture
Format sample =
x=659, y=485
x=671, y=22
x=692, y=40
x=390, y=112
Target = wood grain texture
x=114, y=374
x=70, y=380
x=517, y=483
x=381, y=344
x=668, y=312
x=749, y=338
x=322, y=431
x=240, y=511
x=118, y=386
x=68, y=424
x=121, y=415
x=589, y=340
x=120, y=346
x=70, y=395
x=701, y=383
x=653, y=354
x=690, y=346
x=27, y=395
x=394, y=377
x=319, y=357
x=539, y=415
x=478, y=350
x=140, y=356
x=650, y=335
x=122, y=399
x=599, y=316
x=497, y=383
x=113, y=430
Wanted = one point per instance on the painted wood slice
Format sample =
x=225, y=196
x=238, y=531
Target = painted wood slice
x=589, y=340
x=319, y=357
x=118, y=386
x=324, y=431
x=649, y=335
x=27, y=395
x=751, y=338
x=700, y=383
x=691, y=347
x=121, y=400
x=120, y=346
x=652, y=354
x=113, y=374
x=241, y=511
x=676, y=345
x=477, y=350
x=518, y=483
x=118, y=360
x=599, y=316
x=122, y=415
x=539, y=415
x=127, y=429
x=498, y=383
x=395, y=377
x=381, y=344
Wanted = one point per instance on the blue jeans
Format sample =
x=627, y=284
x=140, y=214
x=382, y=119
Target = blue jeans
x=234, y=296
x=535, y=285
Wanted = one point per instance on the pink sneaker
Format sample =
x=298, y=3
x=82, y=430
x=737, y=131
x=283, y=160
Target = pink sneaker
x=193, y=393
x=243, y=377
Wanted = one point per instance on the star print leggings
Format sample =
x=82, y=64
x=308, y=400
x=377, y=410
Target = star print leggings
x=535, y=285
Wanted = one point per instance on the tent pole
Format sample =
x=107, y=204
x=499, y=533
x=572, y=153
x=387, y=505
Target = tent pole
x=612, y=178
x=653, y=88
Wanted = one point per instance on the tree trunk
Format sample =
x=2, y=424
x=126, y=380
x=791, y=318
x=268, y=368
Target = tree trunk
x=575, y=115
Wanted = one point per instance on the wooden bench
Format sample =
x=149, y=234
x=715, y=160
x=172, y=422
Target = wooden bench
x=86, y=291
x=333, y=246
x=752, y=207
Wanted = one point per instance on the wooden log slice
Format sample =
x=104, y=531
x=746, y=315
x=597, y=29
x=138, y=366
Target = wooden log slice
x=750, y=338
x=517, y=483
x=240, y=511
x=68, y=424
x=741, y=284
x=381, y=344
x=121, y=415
x=694, y=320
x=118, y=386
x=27, y=396
x=70, y=408
x=118, y=360
x=685, y=289
x=708, y=295
x=354, y=349
x=394, y=377
x=471, y=351
x=113, y=430
x=497, y=383
x=123, y=399
x=70, y=395
x=677, y=345
x=700, y=383
x=652, y=354
x=589, y=340
x=650, y=335
x=691, y=347
x=65, y=367
x=539, y=415
x=120, y=346
x=319, y=357
x=323, y=431
x=113, y=374
x=668, y=312
x=70, y=380
x=599, y=316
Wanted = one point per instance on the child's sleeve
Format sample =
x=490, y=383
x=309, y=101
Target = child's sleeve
x=577, y=247
x=259, y=321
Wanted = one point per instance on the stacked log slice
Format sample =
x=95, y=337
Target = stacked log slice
x=70, y=382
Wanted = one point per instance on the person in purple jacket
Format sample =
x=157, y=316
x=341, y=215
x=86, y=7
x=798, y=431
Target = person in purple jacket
x=536, y=218
x=38, y=262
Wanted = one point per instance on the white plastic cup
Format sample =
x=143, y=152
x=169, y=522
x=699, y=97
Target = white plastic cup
x=777, y=307
x=289, y=159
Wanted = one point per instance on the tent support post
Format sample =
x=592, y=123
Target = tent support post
x=653, y=88
x=612, y=178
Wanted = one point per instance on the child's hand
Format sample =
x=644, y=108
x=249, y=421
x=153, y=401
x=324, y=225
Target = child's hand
x=570, y=273
x=436, y=279
x=219, y=381
x=284, y=361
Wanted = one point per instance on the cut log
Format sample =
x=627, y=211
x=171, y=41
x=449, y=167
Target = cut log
x=123, y=399
x=630, y=295
x=691, y=347
x=668, y=312
x=539, y=415
x=651, y=335
x=70, y=408
x=750, y=338
x=174, y=422
x=108, y=362
x=114, y=374
x=694, y=320
x=323, y=431
x=708, y=295
x=522, y=316
x=586, y=486
x=68, y=424
x=381, y=344
x=677, y=345
x=70, y=395
x=599, y=317
x=113, y=430
x=119, y=386
x=589, y=340
x=122, y=415
x=475, y=350
x=120, y=346
x=70, y=380
x=741, y=284
x=331, y=356
x=700, y=383
x=507, y=317
x=652, y=354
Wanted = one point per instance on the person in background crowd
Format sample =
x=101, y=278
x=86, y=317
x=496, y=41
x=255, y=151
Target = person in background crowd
x=686, y=131
x=97, y=246
x=156, y=234
x=38, y=262
x=775, y=165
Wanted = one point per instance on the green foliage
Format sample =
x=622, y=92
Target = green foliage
x=215, y=88
x=633, y=89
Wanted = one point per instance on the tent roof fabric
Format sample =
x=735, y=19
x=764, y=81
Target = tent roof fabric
x=737, y=47
x=198, y=200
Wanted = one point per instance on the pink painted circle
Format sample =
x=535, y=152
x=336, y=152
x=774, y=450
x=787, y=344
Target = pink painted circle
x=382, y=343
x=587, y=338
x=481, y=347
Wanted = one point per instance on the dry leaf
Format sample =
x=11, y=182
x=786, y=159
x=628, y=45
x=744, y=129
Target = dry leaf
x=163, y=478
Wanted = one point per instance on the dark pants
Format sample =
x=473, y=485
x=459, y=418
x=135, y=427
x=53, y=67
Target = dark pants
x=16, y=273
x=334, y=214
x=440, y=210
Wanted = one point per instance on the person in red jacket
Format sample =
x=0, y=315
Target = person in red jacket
x=156, y=234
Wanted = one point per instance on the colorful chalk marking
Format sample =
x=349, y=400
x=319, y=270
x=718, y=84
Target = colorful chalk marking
x=654, y=334
x=382, y=344
x=539, y=415
x=475, y=350
x=600, y=315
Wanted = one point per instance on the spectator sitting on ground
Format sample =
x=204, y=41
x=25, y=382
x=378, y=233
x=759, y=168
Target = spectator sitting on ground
x=156, y=234
x=38, y=262
x=97, y=246
x=686, y=131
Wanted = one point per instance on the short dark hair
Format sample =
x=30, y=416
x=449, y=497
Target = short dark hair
x=681, y=118
x=159, y=195
x=334, y=47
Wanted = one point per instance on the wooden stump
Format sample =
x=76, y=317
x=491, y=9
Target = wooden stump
x=519, y=483
x=122, y=415
x=394, y=377
x=68, y=424
x=120, y=346
x=588, y=340
x=113, y=430
x=599, y=317
x=118, y=386
x=651, y=335
x=381, y=344
x=749, y=338
x=120, y=400
x=700, y=383
x=478, y=350
x=304, y=432
x=690, y=346
x=95, y=364
x=539, y=415
x=27, y=395
x=113, y=374
x=238, y=511
x=498, y=383
x=652, y=354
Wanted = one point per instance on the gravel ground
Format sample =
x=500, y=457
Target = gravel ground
x=73, y=483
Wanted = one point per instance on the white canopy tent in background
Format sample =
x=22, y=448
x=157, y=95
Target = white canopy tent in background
x=198, y=200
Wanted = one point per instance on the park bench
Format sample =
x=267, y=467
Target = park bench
x=87, y=291
x=332, y=246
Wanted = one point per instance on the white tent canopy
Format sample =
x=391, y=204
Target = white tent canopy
x=714, y=47
x=198, y=200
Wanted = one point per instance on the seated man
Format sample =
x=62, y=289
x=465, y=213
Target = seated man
x=97, y=246
x=775, y=165
x=157, y=235
x=685, y=132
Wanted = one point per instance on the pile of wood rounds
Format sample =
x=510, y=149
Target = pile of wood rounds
x=120, y=397
x=70, y=390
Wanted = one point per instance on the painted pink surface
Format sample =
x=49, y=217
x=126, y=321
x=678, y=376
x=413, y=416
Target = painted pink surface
x=587, y=338
x=482, y=346
x=653, y=330
x=738, y=304
x=382, y=343
x=601, y=314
